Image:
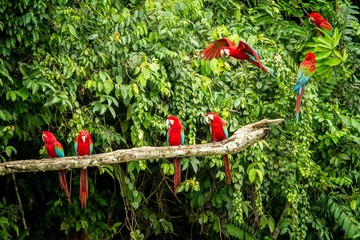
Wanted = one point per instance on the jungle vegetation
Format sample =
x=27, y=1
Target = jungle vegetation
x=119, y=68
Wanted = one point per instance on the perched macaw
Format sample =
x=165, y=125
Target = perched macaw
x=219, y=132
x=320, y=22
x=243, y=51
x=83, y=146
x=306, y=70
x=54, y=149
x=175, y=137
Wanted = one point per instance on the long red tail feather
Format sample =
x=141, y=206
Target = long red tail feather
x=83, y=187
x=177, y=173
x=63, y=184
x=227, y=168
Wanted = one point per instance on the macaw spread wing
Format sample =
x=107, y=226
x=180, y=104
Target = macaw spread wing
x=252, y=53
x=213, y=50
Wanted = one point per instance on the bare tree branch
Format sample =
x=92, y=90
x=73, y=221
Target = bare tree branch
x=241, y=139
x=276, y=232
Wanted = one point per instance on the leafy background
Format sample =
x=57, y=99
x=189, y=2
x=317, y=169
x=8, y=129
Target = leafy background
x=119, y=68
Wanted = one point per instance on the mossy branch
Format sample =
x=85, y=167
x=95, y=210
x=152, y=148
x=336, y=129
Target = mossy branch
x=241, y=139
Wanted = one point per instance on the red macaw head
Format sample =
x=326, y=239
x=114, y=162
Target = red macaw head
x=314, y=16
x=48, y=137
x=225, y=51
x=310, y=57
x=84, y=136
x=211, y=116
x=172, y=120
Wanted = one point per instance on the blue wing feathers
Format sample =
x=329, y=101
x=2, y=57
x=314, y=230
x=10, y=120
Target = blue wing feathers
x=91, y=148
x=226, y=133
x=251, y=57
x=182, y=138
x=302, y=78
x=75, y=147
x=59, y=151
x=224, y=127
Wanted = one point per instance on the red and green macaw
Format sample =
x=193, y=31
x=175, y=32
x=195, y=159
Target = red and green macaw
x=54, y=149
x=219, y=132
x=83, y=146
x=321, y=22
x=175, y=137
x=242, y=51
x=306, y=70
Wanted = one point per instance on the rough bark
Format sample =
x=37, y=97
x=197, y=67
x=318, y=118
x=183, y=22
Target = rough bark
x=241, y=139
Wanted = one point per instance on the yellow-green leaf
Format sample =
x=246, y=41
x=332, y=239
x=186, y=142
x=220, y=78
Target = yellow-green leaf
x=353, y=205
x=72, y=30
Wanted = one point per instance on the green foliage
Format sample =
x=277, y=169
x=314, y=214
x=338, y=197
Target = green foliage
x=240, y=233
x=119, y=68
x=344, y=218
x=10, y=215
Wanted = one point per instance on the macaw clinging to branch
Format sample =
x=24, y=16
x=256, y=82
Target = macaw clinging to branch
x=54, y=149
x=320, y=22
x=83, y=146
x=219, y=132
x=175, y=137
x=306, y=70
x=242, y=51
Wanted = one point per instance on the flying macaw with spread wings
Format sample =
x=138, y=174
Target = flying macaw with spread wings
x=306, y=70
x=242, y=51
x=219, y=132
x=54, y=149
x=175, y=137
x=83, y=146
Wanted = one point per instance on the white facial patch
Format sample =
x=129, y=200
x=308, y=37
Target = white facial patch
x=209, y=118
x=169, y=122
x=225, y=52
